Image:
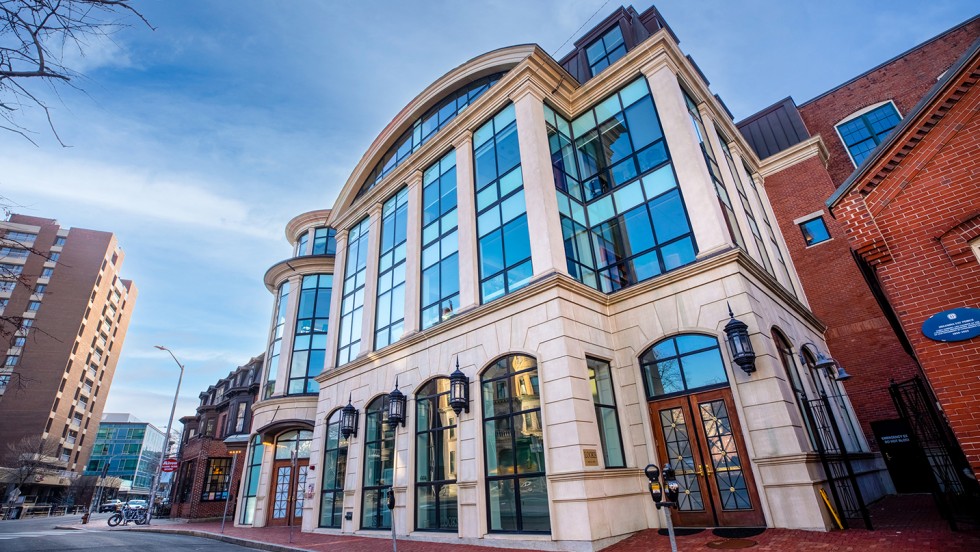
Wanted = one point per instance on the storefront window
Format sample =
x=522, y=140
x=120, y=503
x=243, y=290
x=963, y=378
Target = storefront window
x=379, y=446
x=251, y=487
x=517, y=490
x=435, y=459
x=334, y=470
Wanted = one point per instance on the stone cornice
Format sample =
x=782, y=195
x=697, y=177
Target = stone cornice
x=301, y=223
x=307, y=264
x=289, y=401
x=812, y=147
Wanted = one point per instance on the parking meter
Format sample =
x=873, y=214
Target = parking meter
x=672, y=488
x=391, y=499
x=656, y=491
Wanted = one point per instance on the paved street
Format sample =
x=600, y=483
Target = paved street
x=40, y=535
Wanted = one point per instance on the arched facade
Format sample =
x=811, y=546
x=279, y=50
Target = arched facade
x=575, y=250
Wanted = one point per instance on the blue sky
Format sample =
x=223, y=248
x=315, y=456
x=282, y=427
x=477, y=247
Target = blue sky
x=196, y=143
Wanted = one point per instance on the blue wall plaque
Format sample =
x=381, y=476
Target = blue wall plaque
x=953, y=325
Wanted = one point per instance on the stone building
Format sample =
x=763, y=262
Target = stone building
x=575, y=235
x=212, y=442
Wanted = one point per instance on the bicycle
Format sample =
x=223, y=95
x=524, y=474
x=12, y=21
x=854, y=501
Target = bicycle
x=137, y=515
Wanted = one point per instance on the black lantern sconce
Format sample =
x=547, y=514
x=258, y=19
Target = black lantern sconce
x=396, y=407
x=824, y=362
x=737, y=333
x=459, y=391
x=348, y=419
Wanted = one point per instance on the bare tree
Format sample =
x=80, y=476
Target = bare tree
x=26, y=459
x=36, y=35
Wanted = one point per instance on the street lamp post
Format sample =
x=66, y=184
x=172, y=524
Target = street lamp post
x=166, y=437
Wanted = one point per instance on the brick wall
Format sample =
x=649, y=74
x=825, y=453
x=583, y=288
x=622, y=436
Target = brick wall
x=904, y=81
x=858, y=335
x=194, y=463
x=921, y=216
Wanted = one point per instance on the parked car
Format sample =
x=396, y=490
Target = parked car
x=111, y=505
x=136, y=503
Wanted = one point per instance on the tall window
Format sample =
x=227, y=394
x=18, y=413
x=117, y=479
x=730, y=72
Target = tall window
x=606, y=50
x=324, y=242
x=240, y=417
x=517, y=491
x=746, y=205
x=863, y=133
x=714, y=171
x=390, y=319
x=435, y=459
x=440, y=242
x=302, y=244
x=682, y=363
x=251, y=488
x=352, y=307
x=426, y=127
x=770, y=233
x=276, y=346
x=600, y=379
x=379, y=446
x=310, y=341
x=788, y=360
x=504, y=243
x=623, y=216
x=217, y=479
x=334, y=471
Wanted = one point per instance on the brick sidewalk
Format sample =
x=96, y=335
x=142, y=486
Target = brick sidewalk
x=901, y=523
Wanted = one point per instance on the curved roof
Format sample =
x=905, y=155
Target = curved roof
x=496, y=61
x=302, y=222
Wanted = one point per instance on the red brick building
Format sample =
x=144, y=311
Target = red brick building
x=212, y=439
x=64, y=311
x=806, y=152
x=912, y=213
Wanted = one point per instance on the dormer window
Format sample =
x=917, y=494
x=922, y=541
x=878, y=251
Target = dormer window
x=606, y=50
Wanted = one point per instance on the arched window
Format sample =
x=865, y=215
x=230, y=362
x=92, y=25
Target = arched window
x=298, y=440
x=334, y=469
x=435, y=459
x=788, y=360
x=683, y=363
x=517, y=491
x=379, y=447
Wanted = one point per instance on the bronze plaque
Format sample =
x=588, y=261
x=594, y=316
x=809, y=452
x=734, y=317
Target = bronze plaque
x=591, y=457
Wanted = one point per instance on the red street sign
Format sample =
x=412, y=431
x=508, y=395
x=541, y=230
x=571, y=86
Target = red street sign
x=170, y=465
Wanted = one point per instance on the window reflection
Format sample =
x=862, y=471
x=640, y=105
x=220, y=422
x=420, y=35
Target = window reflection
x=435, y=459
x=682, y=363
x=379, y=444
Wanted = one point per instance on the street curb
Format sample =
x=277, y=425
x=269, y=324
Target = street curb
x=69, y=527
x=259, y=545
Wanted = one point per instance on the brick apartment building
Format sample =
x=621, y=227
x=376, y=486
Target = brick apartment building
x=912, y=213
x=212, y=440
x=65, y=313
x=807, y=150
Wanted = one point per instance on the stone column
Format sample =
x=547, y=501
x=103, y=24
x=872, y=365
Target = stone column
x=336, y=298
x=707, y=220
x=543, y=222
x=413, y=256
x=371, y=281
x=469, y=267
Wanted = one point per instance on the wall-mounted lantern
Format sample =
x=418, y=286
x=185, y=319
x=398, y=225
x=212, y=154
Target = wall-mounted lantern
x=348, y=419
x=396, y=407
x=459, y=390
x=737, y=333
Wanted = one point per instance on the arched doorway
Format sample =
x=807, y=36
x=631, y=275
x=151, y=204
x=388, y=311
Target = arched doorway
x=697, y=432
x=289, y=468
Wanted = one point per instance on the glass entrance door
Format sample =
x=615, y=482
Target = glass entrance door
x=699, y=435
x=286, y=502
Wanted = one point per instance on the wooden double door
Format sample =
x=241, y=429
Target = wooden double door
x=287, y=496
x=699, y=435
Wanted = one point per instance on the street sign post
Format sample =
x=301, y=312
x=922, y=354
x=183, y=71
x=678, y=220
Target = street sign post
x=169, y=465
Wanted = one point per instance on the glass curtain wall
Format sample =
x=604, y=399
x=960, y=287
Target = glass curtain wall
x=334, y=471
x=440, y=242
x=517, y=491
x=252, y=471
x=310, y=341
x=746, y=205
x=780, y=260
x=435, y=459
x=352, y=307
x=276, y=346
x=714, y=171
x=379, y=464
x=504, y=242
x=622, y=214
x=390, y=313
